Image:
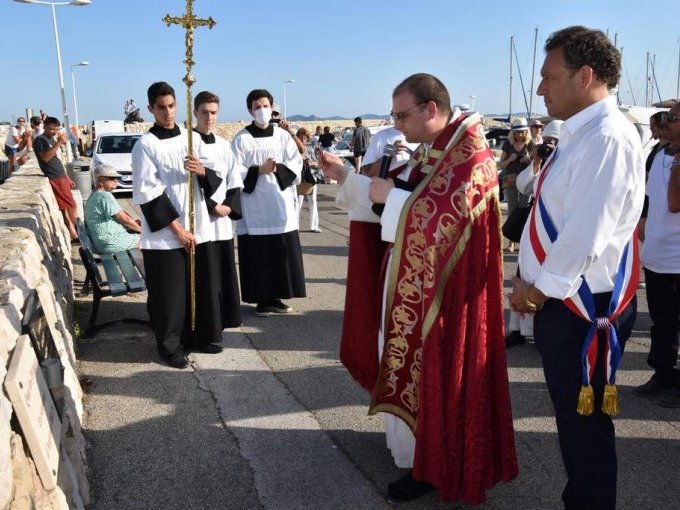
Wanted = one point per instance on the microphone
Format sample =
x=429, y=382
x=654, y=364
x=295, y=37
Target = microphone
x=388, y=154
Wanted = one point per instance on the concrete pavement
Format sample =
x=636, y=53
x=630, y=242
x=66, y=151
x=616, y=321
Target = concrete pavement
x=276, y=422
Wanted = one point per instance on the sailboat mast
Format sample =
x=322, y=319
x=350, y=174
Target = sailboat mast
x=533, y=71
x=677, y=87
x=618, y=89
x=647, y=83
x=512, y=37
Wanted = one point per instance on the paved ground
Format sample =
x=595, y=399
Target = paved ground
x=275, y=421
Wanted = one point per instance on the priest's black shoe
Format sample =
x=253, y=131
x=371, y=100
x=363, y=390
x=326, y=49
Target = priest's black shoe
x=206, y=348
x=177, y=360
x=408, y=489
x=514, y=338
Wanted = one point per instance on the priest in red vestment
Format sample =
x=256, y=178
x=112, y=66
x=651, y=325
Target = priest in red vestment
x=441, y=374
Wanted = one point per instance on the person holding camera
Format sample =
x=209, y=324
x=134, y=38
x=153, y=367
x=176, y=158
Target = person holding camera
x=514, y=157
x=520, y=327
x=539, y=155
x=47, y=147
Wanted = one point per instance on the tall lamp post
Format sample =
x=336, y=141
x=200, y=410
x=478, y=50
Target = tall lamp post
x=83, y=63
x=285, y=116
x=78, y=3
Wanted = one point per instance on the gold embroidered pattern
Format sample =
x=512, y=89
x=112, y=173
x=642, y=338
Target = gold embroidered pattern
x=425, y=255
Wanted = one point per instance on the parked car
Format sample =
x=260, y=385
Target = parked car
x=496, y=136
x=115, y=149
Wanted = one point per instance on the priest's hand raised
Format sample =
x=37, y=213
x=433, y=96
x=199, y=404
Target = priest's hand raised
x=268, y=166
x=193, y=164
x=186, y=238
x=332, y=166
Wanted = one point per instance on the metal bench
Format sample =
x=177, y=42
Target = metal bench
x=122, y=276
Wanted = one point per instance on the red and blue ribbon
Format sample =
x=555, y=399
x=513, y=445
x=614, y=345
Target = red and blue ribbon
x=542, y=233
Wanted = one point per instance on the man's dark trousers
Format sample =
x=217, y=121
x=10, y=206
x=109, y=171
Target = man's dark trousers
x=587, y=443
x=663, y=299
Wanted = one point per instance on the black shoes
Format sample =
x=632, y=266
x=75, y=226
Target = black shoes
x=176, y=360
x=408, y=489
x=653, y=388
x=670, y=399
x=206, y=348
x=273, y=306
x=514, y=338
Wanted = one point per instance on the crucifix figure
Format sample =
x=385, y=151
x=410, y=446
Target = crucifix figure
x=189, y=22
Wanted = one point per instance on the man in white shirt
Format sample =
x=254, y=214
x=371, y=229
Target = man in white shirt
x=376, y=148
x=588, y=200
x=661, y=259
x=13, y=140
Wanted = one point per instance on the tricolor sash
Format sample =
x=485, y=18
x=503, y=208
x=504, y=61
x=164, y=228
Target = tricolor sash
x=542, y=233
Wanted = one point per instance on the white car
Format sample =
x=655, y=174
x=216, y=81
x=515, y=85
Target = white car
x=115, y=149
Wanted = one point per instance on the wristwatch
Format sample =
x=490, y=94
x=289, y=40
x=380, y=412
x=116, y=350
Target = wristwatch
x=534, y=307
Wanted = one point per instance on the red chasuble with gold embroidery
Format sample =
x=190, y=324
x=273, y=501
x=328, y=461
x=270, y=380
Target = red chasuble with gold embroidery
x=443, y=369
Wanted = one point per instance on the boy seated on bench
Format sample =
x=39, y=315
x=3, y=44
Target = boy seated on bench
x=107, y=224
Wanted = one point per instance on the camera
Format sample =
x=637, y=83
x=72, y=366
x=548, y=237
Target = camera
x=544, y=150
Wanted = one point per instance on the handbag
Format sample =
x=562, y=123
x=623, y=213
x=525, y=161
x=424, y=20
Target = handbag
x=307, y=174
x=305, y=188
x=514, y=224
x=308, y=178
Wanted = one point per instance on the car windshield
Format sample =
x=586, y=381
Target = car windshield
x=117, y=144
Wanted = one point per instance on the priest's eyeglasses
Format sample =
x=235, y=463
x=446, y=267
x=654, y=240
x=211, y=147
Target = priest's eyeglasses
x=671, y=118
x=401, y=116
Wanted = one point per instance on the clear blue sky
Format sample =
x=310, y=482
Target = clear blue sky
x=345, y=57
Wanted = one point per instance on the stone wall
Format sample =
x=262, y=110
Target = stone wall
x=35, y=257
x=227, y=130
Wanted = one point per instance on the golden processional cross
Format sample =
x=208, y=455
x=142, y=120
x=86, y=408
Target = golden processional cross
x=189, y=22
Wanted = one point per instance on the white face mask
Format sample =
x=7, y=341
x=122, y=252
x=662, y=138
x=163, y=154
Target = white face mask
x=262, y=116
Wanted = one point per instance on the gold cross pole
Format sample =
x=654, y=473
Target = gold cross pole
x=189, y=22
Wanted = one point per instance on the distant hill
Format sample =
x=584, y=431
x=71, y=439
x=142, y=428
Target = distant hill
x=516, y=114
x=312, y=118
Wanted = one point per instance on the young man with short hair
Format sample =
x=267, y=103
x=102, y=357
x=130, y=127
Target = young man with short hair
x=270, y=256
x=46, y=148
x=226, y=208
x=161, y=167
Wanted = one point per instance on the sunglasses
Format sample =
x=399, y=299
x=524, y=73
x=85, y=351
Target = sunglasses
x=670, y=118
x=400, y=116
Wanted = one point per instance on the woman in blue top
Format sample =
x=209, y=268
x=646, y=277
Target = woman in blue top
x=106, y=222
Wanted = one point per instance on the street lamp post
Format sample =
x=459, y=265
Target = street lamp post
x=78, y=3
x=285, y=116
x=75, y=100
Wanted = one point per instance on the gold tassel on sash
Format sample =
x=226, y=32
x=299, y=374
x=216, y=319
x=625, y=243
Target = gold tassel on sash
x=586, y=401
x=610, y=402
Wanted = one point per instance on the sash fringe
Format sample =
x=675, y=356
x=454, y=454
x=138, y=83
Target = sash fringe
x=610, y=401
x=586, y=401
